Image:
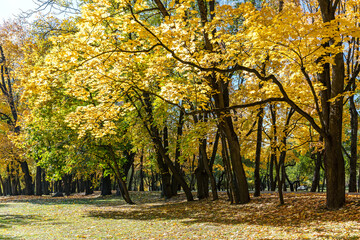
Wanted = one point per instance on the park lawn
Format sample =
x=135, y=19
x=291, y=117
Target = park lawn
x=93, y=217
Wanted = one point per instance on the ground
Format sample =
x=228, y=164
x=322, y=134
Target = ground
x=304, y=216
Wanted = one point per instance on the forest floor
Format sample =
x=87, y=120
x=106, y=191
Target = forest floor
x=303, y=216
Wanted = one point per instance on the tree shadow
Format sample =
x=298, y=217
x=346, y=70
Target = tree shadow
x=6, y=221
x=93, y=199
x=8, y=237
x=300, y=209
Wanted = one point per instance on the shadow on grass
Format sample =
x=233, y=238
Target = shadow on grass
x=6, y=221
x=299, y=210
x=8, y=237
x=96, y=199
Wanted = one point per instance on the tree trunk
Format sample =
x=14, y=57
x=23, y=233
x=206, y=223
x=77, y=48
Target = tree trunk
x=131, y=177
x=227, y=128
x=67, y=179
x=89, y=187
x=202, y=178
x=2, y=188
x=333, y=112
x=14, y=186
x=278, y=179
x=29, y=188
x=141, y=187
x=258, y=153
x=105, y=185
x=271, y=172
x=165, y=176
x=46, y=184
x=38, y=181
x=316, y=177
x=335, y=173
x=283, y=176
x=160, y=148
x=291, y=185
x=353, y=138
x=227, y=166
x=174, y=183
x=334, y=161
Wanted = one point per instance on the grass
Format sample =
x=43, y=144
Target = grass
x=93, y=217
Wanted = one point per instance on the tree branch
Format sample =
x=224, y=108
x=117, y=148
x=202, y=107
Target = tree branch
x=246, y=105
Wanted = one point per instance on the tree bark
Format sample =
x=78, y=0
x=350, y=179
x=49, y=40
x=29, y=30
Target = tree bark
x=353, y=147
x=131, y=177
x=141, y=187
x=46, y=184
x=89, y=187
x=229, y=175
x=241, y=194
x=29, y=187
x=258, y=153
x=106, y=185
x=174, y=183
x=333, y=112
x=38, y=181
x=316, y=177
x=155, y=136
x=67, y=179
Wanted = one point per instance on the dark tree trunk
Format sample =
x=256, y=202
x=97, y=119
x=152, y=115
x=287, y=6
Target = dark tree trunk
x=29, y=187
x=278, y=179
x=105, y=185
x=73, y=185
x=82, y=184
x=201, y=182
x=89, y=187
x=141, y=187
x=258, y=153
x=353, y=138
x=174, y=183
x=192, y=173
x=8, y=181
x=241, y=192
x=291, y=185
x=226, y=127
x=283, y=176
x=8, y=186
x=67, y=179
x=131, y=177
x=155, y=136
x=38, y=181
x=202, y=179
x=46, y=184
x=335, y=173
x=316, y=177
x=204, y=170
x=59, y=184
x=165, y=176
x=121, y=175
x=14, y=186
x=332, y=115
x=2, y=188
x=227, y=166
x=271, y=172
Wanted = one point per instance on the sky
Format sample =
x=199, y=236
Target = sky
x=9, y=8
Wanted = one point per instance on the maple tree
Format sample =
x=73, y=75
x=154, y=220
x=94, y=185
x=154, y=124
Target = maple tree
x=13, y=37
x=261, y=83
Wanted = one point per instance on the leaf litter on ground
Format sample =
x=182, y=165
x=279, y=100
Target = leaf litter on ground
x=304, y=216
